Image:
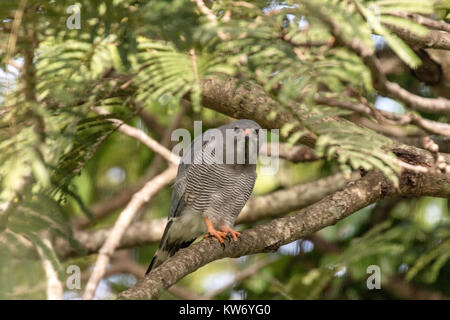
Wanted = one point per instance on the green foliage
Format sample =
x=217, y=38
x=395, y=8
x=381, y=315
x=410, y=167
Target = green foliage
x=164, y=73
x=131, y=55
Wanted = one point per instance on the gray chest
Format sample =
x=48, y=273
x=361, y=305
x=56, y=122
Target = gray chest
x=219, y=190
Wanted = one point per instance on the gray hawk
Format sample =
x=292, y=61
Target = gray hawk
x=215, y=178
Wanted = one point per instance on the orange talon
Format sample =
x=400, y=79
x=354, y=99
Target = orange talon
x=212, y=232
x=234, y=234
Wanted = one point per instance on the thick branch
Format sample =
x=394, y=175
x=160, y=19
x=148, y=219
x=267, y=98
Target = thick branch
x=435, y=39
x=251, y=102
x=246, y=101
x=284, y=201
x=265, y=238
x=270, y=236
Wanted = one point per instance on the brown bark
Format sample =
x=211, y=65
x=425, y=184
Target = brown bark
x=266, y=237
x=435, y=39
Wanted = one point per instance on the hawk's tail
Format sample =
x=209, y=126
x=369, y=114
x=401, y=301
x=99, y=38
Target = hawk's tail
x=167, y=249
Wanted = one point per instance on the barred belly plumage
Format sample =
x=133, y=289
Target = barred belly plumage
x=208, y=195
x=220, y=191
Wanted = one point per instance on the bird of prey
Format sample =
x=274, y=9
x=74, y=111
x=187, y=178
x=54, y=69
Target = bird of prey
x=215, y=178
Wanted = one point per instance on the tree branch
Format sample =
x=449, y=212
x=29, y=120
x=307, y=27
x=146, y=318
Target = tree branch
x=246, y=101
x=266, y=237
x=142, y=137
x=251, y=102
x=281, y=202
x=206, y=11
x=435, y=39
x=270, y=236
x=54, y=286
x=291, y=153
x=431, y=126
x=122, y=223
x=425, y=21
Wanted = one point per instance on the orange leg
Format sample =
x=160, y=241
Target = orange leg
x=212, y=232
x=234, y=234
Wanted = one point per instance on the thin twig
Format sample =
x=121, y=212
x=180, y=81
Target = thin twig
x=425, y=21
x=391, y=118
x=206, y=11
x=12, y=40
x=142, y=137
x=54, y=286
x=410, y=167
x=102, y=208
x=122, y=223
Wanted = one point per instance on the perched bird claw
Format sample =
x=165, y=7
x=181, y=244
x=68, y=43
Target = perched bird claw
x=212, y=232
x=219, y=235
x=234, y=234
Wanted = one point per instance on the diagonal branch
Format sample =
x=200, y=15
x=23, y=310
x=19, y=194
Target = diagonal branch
x=54, y=286
x=137, y=201
x=206, y=11
x=122, y=223
x=142, y=137
x=435, y=39
x=266, y=237
x=425, y=21
x=428, y=125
